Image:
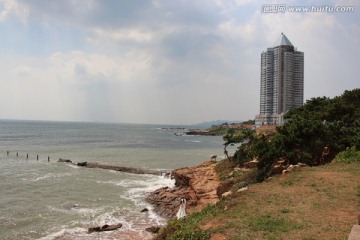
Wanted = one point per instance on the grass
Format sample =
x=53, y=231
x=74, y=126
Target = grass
x=310, y=203
x=188, y=228
x=273, y=224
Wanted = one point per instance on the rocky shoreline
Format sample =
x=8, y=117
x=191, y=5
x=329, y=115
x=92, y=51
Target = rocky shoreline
x=199, y=185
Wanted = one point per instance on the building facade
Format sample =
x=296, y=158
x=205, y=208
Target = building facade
x=281, y=83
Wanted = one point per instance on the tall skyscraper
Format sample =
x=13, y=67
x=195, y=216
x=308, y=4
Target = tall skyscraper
x=282, y=81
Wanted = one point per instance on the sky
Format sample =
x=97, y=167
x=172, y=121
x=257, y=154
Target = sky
x=161, y=61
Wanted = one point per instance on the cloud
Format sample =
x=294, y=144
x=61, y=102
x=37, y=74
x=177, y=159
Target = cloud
x=160, y=61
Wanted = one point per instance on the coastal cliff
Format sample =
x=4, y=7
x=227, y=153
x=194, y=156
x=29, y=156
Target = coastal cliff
x=198, y=185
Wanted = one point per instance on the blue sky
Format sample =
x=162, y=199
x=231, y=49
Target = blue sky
x=158, y=61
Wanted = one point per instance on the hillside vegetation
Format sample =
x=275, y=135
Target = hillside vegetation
x=313, y=134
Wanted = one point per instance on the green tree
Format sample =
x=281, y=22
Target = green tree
x=233, y=136
x=313, y=134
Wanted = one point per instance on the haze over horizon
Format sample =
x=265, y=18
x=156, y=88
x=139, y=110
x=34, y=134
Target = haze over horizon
x=162, y=62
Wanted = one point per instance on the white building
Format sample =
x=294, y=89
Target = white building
x=282, y=82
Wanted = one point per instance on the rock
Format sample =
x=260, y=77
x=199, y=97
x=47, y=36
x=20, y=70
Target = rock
x=153, y=229
x=200, y=132
x=225, y=194
x=144, y=210
x=105, y=228
x=285, y=171
x=224, y=187
x=64, y=160
x=242, y=189
x=198, y=185
x=279, y=167
x=268, y=179
x=251, y=164
x=82, y=164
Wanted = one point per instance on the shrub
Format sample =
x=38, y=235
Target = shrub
x=348, y=156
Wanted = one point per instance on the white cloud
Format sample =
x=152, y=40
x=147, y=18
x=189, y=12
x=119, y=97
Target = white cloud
x=170, y=62
x=14, y=8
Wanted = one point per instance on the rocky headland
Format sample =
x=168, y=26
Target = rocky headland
x=199, y=185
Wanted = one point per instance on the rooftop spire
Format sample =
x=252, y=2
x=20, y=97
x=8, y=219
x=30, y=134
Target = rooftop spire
x=283, y=41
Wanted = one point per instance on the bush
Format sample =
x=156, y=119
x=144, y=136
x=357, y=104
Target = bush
x=350, y=155
x=190, y=234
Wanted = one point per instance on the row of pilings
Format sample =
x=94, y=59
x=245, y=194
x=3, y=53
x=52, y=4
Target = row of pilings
x=27, y=156
x=132, y=170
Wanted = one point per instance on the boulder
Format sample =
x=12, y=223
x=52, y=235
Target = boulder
x=224, y=187
x=279, y=166
x=251, y=164
x=105, y=228
x=144, y=210
x=64, y=160
x=225, y=194
x=243, y=189
x=153, y=229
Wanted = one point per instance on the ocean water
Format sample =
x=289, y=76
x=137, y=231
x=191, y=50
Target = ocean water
x=43, y=199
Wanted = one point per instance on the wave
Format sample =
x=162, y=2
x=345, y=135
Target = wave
x=46, y=176
x=194, y=141
x=65, y=232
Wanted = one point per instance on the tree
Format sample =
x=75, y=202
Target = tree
x=313, y=134
x=233, y=136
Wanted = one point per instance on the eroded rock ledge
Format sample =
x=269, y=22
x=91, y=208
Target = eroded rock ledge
x=198, y=184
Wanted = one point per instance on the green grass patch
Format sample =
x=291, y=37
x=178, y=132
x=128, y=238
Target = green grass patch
x=288, y=182
x=190, y=234
x=285, y=210
x=273, y=224
x=188, y=228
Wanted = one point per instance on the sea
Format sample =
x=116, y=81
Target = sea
x=43, y=199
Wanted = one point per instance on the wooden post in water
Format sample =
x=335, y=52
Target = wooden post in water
x=7, y=152
x=27, y=156
x=48, y=159
x=37, y=157
x=17, y=154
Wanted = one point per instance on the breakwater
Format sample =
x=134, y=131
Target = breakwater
x=117, y=168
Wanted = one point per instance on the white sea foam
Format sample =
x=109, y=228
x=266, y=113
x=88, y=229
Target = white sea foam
x=70, y=208
x=63, y=232
x=46, y=176
x=137, y=194
x=72, y=165
x=194, y=141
